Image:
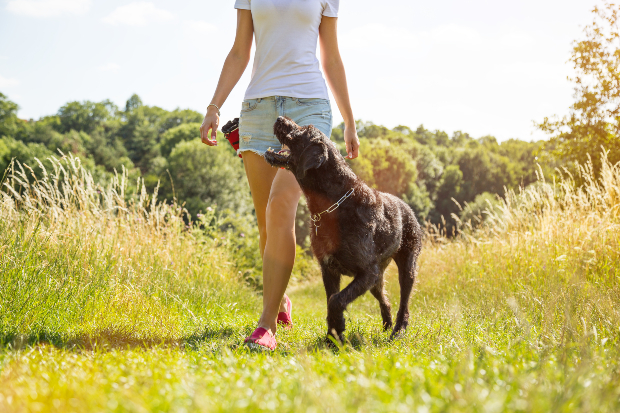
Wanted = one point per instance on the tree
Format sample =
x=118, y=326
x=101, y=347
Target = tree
x=594, y=118
x=205, y=176
x=476, y=211
x=449, y=187
x=133, y=103
x=385, y=166
x=85, y=116
x=172, y=137
x=25, y=153
x=8, y=116
x=179, y=117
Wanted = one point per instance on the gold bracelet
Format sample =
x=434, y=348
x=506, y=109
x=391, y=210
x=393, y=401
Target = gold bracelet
x=216, y=107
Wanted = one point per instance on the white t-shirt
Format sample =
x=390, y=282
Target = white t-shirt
x=285, y=62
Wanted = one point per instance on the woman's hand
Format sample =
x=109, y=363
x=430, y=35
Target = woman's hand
x=352, y=142
x=211, y=122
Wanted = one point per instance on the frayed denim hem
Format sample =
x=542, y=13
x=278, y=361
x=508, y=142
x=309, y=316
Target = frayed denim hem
x=256, y=151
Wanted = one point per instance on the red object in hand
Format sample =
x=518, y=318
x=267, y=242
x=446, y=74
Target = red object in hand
x=233, y=138
x=231, y=132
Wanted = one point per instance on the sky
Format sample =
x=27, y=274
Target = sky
x=485, y=67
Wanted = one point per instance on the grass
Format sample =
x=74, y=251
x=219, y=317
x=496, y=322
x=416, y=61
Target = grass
x=115, y=305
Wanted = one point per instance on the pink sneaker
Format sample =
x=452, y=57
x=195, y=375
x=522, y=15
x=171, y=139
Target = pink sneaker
x=261, y=339
x=286, y=318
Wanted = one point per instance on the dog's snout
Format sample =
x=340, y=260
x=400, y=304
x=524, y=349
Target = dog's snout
x=283, y=126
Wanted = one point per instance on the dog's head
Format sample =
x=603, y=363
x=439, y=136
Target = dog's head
x=309, y=148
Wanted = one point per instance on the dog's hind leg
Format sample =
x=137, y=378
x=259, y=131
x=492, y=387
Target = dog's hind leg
x=378, y=291
x=406, y=260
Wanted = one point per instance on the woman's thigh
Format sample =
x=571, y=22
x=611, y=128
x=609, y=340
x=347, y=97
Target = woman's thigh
x=260, y=177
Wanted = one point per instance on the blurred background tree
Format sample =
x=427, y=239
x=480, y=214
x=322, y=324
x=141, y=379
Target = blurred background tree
x=431, y=171
x=594, y=118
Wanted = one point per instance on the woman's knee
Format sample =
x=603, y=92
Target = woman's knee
x=282, y=204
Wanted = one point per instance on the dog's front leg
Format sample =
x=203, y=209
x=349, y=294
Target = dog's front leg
x=331, y=282
x=337, y=303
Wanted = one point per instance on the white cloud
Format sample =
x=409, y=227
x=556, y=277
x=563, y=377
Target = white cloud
x=110, y=67
x=198, y=27
x=48, y=8
x=6, y=82
x=138, y=14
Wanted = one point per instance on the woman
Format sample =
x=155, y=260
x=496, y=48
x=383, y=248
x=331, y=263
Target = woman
x=286, y=81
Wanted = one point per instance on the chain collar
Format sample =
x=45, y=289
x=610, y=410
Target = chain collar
x=317, y=217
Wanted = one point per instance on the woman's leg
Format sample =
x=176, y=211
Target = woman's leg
x=279, y=255
x=260, y=177
x=273, y=196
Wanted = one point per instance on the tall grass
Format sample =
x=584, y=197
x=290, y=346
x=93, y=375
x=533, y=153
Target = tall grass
x=553, y=248
x=83, y=260
x=517, y=312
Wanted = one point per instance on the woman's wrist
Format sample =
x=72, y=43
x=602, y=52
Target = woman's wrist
x=350, y=125
x=213, y=108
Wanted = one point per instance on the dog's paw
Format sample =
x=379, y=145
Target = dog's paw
x=334, y=340
x=387, y=326
x=398, y=333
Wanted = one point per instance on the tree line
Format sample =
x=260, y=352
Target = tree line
x=432, y=171
x=442, y=177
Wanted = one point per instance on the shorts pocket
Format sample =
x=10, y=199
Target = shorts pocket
x=249, y=105
x=311, y=101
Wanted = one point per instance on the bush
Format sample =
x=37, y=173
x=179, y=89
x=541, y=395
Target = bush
x=207, y=176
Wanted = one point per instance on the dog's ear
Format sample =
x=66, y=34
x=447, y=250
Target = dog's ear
x=311, y=158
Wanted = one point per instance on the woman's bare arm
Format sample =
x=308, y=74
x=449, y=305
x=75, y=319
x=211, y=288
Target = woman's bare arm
x=234, y=66
x=337, y=80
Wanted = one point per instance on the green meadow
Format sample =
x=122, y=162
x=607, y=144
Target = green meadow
x=110, y=304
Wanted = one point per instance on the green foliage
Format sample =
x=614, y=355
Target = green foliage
x=593, y=121
x=450, y=185
x=385, y=166
x=477, y=211
x=85, y=116
x=179, y=117
x=426, y=169
x=8, y=117
x=207, y=176
x=430, y=170
x=181, y=133
x=24, y=153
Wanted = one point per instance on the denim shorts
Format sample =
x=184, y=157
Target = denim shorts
x=258, y=116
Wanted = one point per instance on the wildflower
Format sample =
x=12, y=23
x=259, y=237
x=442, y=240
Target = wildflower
x=199, y=215
x=209, y=209
x=242, y=235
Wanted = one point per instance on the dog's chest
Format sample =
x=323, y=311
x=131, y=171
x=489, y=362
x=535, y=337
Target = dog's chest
x=325, y=236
